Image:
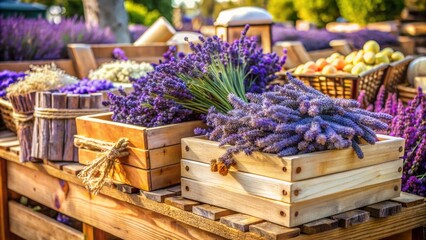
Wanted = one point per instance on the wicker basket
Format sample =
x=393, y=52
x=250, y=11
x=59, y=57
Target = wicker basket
x=406, y=93
x=346, y=85
x=396, y=73
x=6, y=111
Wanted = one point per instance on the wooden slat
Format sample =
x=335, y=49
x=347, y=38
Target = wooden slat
x=181, y=203
x=20, y=66
x=272, y=231
x=384, y=209
x=299, y=167
x=6, y=134
x=288, y=215
x=409, y=200
x=240, y=221
x=320, y=225
x=16, y=149
x=158, y=195
x=291, y=192
x=29, y=224
x=126, y=188
x=164, y=176
x=4, y=213
x=211, y=212
x=95, y=126
x=102, y=212
x=351, y=218
x=8, y=139
x=73, y=168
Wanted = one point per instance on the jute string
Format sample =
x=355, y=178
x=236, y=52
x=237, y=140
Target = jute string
x=95, y=174
x=55, y=113
x=23, y=117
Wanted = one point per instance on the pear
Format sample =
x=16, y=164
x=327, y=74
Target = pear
x=299, y=69
x=396, y=56
x=381, y=58
x=329, y=69
x=371, y=46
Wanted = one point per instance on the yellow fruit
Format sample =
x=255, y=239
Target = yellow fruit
x=308, y=71
x=369, y=58
x=299, y=69
x=350, y=57
x=358, y=68
x=396, y=56
x=387, y=51
x=348, y=68
x=329, y=69
x=381, y=58
x=371, y=46
x=358, y=58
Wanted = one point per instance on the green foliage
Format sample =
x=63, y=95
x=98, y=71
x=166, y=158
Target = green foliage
x=164, y=7
x=139, y=14
x=207, y=7
x=319, y=12
x=72, y=7
x=416, y=5
x=368, y=11
x=282, y=10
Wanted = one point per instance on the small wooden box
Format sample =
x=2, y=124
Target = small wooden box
x=155, y=152
x=296, y=189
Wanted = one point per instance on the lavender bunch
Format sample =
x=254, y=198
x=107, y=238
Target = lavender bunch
x=119, y=54
x=159, y=97
x=86, y=86
x=293, y=119
x=7, y=78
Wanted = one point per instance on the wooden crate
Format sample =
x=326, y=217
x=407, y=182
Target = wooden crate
x=406, y=93
x=29, y=224
x=298, y=167
x=296, y=189
x=155, y=153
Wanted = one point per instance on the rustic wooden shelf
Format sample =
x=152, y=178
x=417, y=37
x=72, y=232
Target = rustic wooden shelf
x=136, y=216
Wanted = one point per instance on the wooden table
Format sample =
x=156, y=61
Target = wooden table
x=133, y=216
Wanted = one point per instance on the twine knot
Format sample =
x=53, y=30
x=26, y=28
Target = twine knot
x=95, y=174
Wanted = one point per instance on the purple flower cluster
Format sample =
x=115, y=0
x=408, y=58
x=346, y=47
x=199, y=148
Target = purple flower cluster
x=62, y=218
x=7, y=78
x=119, y=54
x=408, y=122
x=153, y=101
x=37, y=39
x=293, y=119
x=86, y=86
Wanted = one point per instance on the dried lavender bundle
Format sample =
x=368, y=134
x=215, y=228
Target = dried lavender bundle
x=292, y=119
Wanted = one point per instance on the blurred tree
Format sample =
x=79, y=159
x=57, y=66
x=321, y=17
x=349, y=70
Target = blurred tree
x=255, y=3
x=108, y=13
x=282, y=10
x=163, y=6
x=319, y=12
x=139, y=14
x=72, y=7
x=367, y=11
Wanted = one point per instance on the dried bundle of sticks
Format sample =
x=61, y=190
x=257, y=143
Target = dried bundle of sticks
x=55, y=127
x=23, y=108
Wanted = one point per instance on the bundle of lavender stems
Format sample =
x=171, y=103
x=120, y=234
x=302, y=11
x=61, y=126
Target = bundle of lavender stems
x=293, y=119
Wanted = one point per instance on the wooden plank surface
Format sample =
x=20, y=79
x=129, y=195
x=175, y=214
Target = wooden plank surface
x=29, y=224
x=384, y=209
x=410, y=218
x=83, y=59
x=211, y=212
x=318, y=226
x=351, y=218
x=299, y=167
x=288, y=215
x=4, y=213
x=291, y=192
x=181, y=203
x=101, y=211
x=158, y=195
